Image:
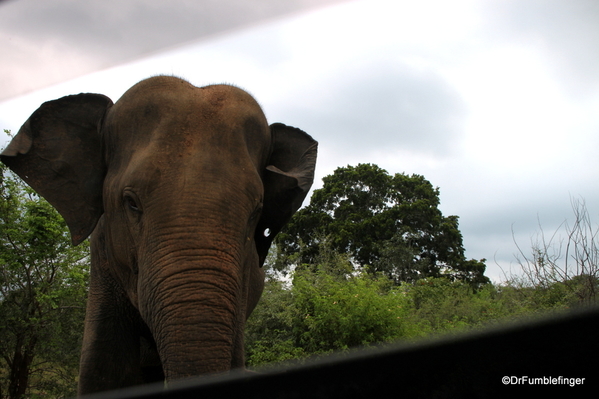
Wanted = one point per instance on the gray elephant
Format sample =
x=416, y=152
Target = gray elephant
x=183, y=190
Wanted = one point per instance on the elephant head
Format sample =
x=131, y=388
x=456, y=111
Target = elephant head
x=183, y=190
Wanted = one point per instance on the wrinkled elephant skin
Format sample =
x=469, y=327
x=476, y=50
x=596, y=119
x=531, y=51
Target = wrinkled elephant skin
x=182, y=190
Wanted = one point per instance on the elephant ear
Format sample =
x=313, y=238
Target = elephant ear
x=58, y=152
x=288, y=177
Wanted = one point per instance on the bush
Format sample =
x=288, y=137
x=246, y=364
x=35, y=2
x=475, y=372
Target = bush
x=335, y=314
x=320, y=313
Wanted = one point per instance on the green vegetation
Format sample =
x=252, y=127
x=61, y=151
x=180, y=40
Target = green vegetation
x=43, y=287
x=320, y=311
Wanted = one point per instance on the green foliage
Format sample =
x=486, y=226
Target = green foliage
x=43, y=286
x=440, y=305
x=326, y=307
x=390, y=224
x=320, y=313
x=333, y=314
x=269, y=335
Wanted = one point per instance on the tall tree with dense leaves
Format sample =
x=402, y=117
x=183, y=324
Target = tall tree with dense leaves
x=43, y=285
x=390, y=223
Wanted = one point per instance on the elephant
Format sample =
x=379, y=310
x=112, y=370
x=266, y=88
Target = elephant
x=183, y=190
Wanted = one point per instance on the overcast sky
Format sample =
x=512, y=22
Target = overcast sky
x=494, y=102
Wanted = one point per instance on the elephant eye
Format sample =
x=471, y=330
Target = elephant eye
x=131, y=202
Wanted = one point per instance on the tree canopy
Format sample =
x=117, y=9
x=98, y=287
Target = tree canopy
x=389, y=223
x=43, y=286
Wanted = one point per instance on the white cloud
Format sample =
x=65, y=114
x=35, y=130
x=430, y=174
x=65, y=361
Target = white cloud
x=518, y=116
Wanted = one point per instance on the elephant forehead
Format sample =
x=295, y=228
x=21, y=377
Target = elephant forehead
x=182, y=117
x=166, y=97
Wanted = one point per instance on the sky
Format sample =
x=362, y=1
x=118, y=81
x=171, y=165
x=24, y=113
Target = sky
x=495, y=102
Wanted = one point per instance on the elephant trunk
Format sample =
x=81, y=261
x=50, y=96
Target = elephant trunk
x=195, y=312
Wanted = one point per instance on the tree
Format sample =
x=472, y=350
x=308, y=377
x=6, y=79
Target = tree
x=390, y=224
x=43, y=286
